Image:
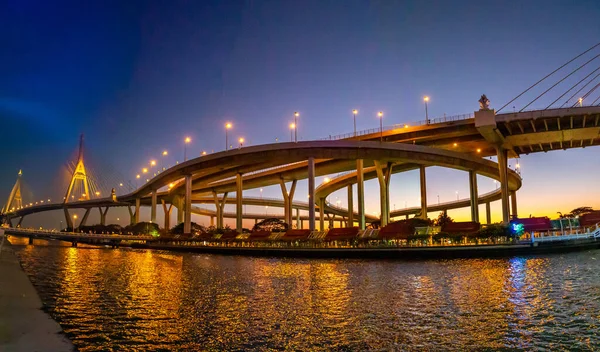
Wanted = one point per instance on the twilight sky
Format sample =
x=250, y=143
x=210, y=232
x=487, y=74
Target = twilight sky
x=136, y=77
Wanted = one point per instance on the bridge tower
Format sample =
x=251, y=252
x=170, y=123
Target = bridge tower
x=79, y=175
x=15, y=201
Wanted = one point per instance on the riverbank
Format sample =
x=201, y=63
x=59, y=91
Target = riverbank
x=23, y=324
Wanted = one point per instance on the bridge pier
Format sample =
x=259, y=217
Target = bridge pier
x=68, y=219
x=84, y=218
x=167, y=211
x=383, y=176
x=350, y=222
x=103, y=215
x=131, y=216
x=220, y=207
x=137, y=210
x=30, y=240
x=298, y=224
x=20, y=221
x=187, y=222
x=360, y=185
x=238, y=203
x=488, y=213
x=474, y=196
x=322, y=214
x=178, y=202
x=153, y=208
x=513, y=201
x=288, y=197
x=423, y=183
x=311, y=193
x=503, y=166
x=212, y=221
x=73, y=243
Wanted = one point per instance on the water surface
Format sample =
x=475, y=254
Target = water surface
x=142, y=300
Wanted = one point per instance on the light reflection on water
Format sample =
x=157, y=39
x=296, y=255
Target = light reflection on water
x=123, y=299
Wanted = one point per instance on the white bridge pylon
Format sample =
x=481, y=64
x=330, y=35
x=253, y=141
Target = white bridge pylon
x=15, y=200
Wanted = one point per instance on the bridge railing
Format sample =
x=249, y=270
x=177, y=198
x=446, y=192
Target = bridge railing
x=399, y=126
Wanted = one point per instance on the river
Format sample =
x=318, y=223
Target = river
x=142, y=300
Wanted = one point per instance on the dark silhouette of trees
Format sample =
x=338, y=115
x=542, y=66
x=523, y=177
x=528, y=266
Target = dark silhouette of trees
x=443, y=219
x=271, y=225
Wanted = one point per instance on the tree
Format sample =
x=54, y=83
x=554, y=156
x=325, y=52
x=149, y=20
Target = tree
x=579, y=211
x=443, y=219
x=272, y=225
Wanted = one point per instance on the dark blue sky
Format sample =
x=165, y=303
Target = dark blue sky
x=138, y=76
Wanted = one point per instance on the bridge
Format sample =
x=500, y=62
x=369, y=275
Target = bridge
x=463, y=142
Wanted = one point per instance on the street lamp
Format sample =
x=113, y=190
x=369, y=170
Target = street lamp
x=580, y=102
x=144, y=170
x=227, y=127
x=186, y=141
x=292, y=128
x=296, y=114
x=354, y=112
x=380, y=114
x=165, y=153
x=241, y=140
x=97, y=193
x=426, y=99
x=456, y=195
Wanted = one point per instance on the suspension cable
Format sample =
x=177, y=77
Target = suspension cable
x=587, y=94
x=580, y=89
x=576, y=84
x=557, y=83
x=550, y=74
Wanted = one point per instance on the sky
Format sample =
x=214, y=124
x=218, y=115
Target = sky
x=137, y=77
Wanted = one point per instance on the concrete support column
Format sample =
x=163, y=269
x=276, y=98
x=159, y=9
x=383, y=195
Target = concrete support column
x=187, y=221
x=298, y=224
x=220, y=207
x=84, y=218
x=178, y=203
x=503, y=166
x=288, y=198
x=23, y=217
x=474, y=196
x=360, y=185
x=153, y=209
x=322, y=214
x=103, y=215
x=311, y=193
x=167, y=211
x=238, y=203
x=350, y=207
x=423, y=192
x=488, y=213
x=383, y=191
x=513, y=203
x=212, y=221
x=68, y=219
x=131, y=216
x=137, y=210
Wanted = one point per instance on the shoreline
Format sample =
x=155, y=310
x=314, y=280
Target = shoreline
x=24, y=326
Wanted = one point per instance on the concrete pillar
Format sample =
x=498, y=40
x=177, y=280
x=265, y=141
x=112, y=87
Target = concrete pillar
x=103, y=215
x=311, y=193
x=298, y=224
x=238, y=203
x=178, y=203
x=423, y=192
x=488, y=213
x=288, y=198
x=503, y=166
x=382, y=193
x=167, y=211
x=131, y=216
x=474, y=196
x=187, y=221
x=212, y=221
x=84, y=218
x=322, y=214
x=137, y=210
x=350, y=207
x=30, y=240
x=513, y=202
x=360, y=185
x=68, y=219
x=153, y=209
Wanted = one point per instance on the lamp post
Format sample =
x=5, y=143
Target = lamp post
x=456, y=195
x=580, y=102
x=227, y=127
x=292, y=128
x=426, y=99
x=354, y=112
x=74, y=229
x=380, y=114
x=241, y=140
x=296, y=114
x=186, y=141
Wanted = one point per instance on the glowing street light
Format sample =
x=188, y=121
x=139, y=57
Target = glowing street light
x=144, y=170
x=580, y=102
x=165, y=153
x=456, y=195
x=426, y=100
x=354, y=113
x=326, y=180
x=137, y=176
x=292, y=128
x=227, y=128
x=380, y=115
x=152, y=162
x=204, y=152
x=241, y=140
x=296, y=114
x=97, y=193
x=186, y=141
